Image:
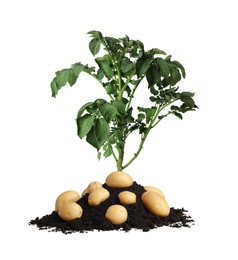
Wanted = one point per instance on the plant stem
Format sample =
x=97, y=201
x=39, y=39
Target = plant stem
x=126, y=83
x=111, y=148
x=120, y=156
x=133, y=93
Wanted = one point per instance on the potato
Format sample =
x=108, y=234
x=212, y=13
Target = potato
x=66, y=196
x=70, y=210
x=97, y=196
x=116, y=214
x=155, y=203
x=93, y=186
x=119, y=179
x=127, y=197
x=150, y=188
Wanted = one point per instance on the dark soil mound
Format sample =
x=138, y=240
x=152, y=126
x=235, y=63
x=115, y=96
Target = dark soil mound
x=93, y=217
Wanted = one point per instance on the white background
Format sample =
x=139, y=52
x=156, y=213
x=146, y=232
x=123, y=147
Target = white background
x=194, y=161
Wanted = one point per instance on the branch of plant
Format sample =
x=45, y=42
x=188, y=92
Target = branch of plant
x=144, y=137
x=133, y=93
x=111, y=148
x=126, y=83
x=158, y=112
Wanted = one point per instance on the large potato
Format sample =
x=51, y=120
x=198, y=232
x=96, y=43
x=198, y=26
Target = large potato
x=155, y=203
x=150, y=188
x=67, y=196
x=127, y=197
x=97, y=196
x=70, y=210
x=116, y=214
x=119, y=179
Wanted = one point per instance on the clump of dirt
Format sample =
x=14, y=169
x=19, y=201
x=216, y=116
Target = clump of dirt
x=93, y=217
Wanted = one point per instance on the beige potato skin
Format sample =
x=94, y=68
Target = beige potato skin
x=93, y=186
x=155, y=203
x=97, y=196
x=70, y=211
x=119, y=179
x=67, y=196
x=116, y=214
x=127, y=197
x=150, y=188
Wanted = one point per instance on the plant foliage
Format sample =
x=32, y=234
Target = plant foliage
x=106, y=124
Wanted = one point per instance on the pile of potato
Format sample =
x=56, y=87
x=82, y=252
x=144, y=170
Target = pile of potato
x=153, y=199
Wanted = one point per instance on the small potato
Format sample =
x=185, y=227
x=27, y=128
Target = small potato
x=155, y=203
x=93, y=186
x=116, y=214
x=119, y=179
x=70, y=211
x=127, y=197
x=150, y=188
x=66, y=196
x=97, y=196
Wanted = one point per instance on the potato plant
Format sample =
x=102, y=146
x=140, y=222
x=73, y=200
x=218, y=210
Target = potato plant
x=121, y=64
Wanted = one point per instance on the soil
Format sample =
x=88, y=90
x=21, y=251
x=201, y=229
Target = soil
x=93, y=217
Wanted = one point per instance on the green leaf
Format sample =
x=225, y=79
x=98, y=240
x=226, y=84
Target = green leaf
x=152, y=75
x=54, y=88
x=155, y=51
x=140, y=117
x=187, y=94
x=120, y=105
x=62, y=77
x=108, y=111
x=154, y=91
x=175, y=76
x=126, y=65
x=95, y=34
x=72, y=78
x=177, y=114
x=105, y=64
x=175, y=108
x=111, y=88
x=84, y=124
x=137, y=49
x=77, y=68
x=107, y=152
x=180, y=66
x=83, y=108
x=94, y=46
x=168, y=58
x=149, y=112
x=113, y=45
x=153, y=99
x=142, y=65
x=188, y=101
x=164, y=67
x=99, y=156
x=100, y=74
x=99, y=133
